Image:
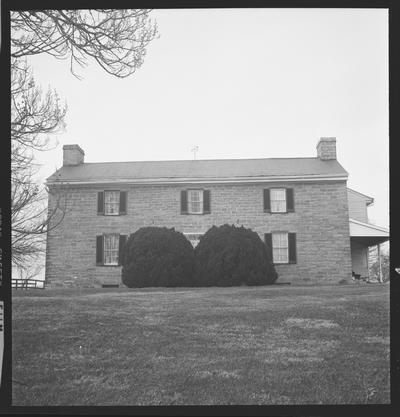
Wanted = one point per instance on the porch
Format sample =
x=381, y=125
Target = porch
x=362, y=237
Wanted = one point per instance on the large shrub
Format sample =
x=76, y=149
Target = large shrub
x=157, y=257
x=229, y=256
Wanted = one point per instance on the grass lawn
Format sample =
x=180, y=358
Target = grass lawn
x=244, y=345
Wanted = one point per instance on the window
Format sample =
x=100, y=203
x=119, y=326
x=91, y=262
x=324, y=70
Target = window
x=111, y=202
x=278, y=200
x=111, y=249
x=194, y=238
x=280, y=248
x=195, y=201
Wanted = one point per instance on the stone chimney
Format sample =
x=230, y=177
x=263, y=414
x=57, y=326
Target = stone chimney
x=326, y=149
x=73, y=155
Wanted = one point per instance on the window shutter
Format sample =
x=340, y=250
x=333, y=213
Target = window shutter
x=289, y=200
x=206, y=202
x=122, y=202
x=99, y=250
x=100, y=202
x=184, y=204
x=122, y=242
x=267, y=201
x=292, y=248
x=268, y=244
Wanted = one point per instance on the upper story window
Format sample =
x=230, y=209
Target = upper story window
x=195, y=201
x=278, y=200
x=111, y=202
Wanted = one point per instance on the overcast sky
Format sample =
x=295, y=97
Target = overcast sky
x=240, y=83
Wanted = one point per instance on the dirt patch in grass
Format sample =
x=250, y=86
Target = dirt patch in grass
x=218, y=373
x=311, y=323
x=384, y=340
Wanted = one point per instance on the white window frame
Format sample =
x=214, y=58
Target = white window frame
x=280, y=245
x=194, y=237
x=190, y=201
x=108, y=203
x=274, y=200
x=115, y=250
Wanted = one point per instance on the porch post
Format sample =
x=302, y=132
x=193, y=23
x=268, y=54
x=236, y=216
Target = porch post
x=380, y=263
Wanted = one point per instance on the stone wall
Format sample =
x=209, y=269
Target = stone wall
x=320, y=221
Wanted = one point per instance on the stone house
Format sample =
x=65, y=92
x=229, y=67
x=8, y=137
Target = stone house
x=316, y=228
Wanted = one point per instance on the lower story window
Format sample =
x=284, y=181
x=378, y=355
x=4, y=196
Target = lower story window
x=111, y=249
x=280, y=248
x=193, y=238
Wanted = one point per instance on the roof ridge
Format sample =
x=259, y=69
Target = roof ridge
x=200, y=160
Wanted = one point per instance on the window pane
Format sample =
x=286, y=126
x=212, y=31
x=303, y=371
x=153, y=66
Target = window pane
x=195, y=206
x=278, y=194
x=278, y=206
x=280, y=255
x=195, y=195
x=279, y=240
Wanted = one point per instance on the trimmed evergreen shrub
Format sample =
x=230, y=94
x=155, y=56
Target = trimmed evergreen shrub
x=229, y=256
x=157, y=257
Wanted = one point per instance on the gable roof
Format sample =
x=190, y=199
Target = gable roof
x=369, y=200
x=203, y=170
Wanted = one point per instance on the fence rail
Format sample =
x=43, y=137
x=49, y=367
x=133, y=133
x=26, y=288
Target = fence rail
x=27, y=283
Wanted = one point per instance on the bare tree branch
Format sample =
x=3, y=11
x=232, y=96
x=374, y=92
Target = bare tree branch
x=115, y=39
x=34, y=116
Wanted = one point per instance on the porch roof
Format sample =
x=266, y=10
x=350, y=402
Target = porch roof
x=366, y=233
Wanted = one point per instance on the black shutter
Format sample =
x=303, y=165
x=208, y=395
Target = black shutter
x=99, y=250
x=268, y=244
x=122, y=242
x=292, y=248
x=206, y=202
x=100, y=202
x=267, y=201
x=184, y=204
x=289, y=200
x=122, y=202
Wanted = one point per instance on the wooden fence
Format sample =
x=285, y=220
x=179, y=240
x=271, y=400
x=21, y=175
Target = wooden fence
x=27, y=283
